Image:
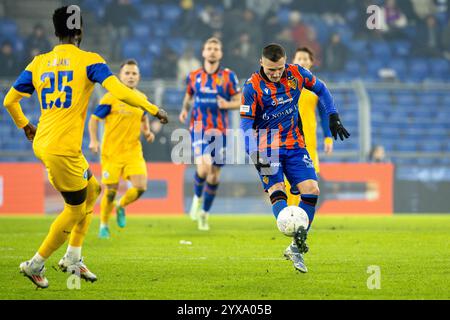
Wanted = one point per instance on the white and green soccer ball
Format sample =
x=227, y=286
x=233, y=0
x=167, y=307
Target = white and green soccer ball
x=291, y=219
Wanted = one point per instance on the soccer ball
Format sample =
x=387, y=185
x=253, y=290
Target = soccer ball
x=291, y=219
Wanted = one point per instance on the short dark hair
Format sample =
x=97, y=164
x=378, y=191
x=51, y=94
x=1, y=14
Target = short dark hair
x=307, y=50
x=60, y=18
x=274, y=52
x=129, y=62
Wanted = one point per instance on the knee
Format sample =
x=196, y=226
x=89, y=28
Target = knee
x=140, y=192
x=213, y=178
x=310, y=189
x=111, y=194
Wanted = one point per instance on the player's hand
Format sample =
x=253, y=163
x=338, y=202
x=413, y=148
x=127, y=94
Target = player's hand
x=183, y=116
x=262, y=163
x=222, y=103
x=94, y=146
x=328, y=146
x=337, y=128
x=149, y=136
x=162, y=116
x=30, y=131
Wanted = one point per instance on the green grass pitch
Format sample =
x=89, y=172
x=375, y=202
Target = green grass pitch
x=240, y=258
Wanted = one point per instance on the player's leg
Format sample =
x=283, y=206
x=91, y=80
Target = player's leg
x=106, y=208
x=292, y=193
x=201, y=172
x=110, y=179
x=65, y=173
x=135, y=172
x=212, y=184
x=72, y=261
x=299, y=170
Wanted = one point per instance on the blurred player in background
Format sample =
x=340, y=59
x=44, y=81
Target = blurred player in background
x=121, y=152
x=269, y=102
x=64, y=80
x=307, y=106
x=212, y=91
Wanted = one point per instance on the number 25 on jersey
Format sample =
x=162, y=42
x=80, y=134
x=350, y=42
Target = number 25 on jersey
x=63, y=78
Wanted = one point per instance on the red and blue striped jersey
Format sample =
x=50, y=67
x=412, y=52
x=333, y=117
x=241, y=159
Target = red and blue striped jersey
x=205, y=88
x=274, y=106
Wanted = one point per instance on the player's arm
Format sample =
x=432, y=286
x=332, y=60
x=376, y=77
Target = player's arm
x=325, y=123
x=145, y=129
x=23, y=87
x=187, y=100
x=98, y=71
x=234, y=103
x=314, y=84
x=94, y=143
x=248, y=113
x=100, y=113
x=186, y=107
x=234, y=92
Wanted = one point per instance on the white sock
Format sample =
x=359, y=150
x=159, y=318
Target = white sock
x=103, y=225
x=73, y=253
x=37, y=261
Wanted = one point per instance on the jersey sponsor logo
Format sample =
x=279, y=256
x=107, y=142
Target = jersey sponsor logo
x=281, y=101
x=287, y=112
x=208, y=90
x=85, y=174
x=245, y=108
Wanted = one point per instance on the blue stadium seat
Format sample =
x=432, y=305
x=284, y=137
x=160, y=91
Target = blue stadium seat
x=146, y=66
x=419, y=69
x=173, y=97
x=399, y=65
x=154, y=48
x=141, y=31
x=429, y=99
x=406, y=100
x=431, y=146
x=402, y=48
x=380, y=49
x=353, y=68
x=407, y=146
x=8, y=27
x=439, y=68
x=132, y=49
x=171, y=12
x=149, y=11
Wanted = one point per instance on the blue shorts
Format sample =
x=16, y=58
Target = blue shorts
x=213, y=145
x=295, y=164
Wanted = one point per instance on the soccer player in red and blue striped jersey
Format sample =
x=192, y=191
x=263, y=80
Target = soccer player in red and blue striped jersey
x=270, y=107
x=212, y=91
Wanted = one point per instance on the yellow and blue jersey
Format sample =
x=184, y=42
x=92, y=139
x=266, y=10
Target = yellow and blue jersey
x=63, y=80
x=308, y=104
x=121, y=138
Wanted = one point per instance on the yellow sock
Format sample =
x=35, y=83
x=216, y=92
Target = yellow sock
x=61, y=228
x=80, y=229
x=107, y=205
x=130, y=196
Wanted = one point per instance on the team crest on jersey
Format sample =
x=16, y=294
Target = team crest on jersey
x=292, y=82
x=105, y=174
x=266, y=179
x=219, y=80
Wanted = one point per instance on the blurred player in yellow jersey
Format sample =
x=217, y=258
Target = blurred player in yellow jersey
x=308, y=104
x=121, y=154
x=64, y=80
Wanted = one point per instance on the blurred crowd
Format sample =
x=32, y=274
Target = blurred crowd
x=246, y=25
